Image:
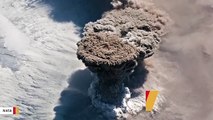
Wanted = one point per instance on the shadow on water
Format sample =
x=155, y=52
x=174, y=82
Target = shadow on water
x=75, y=103
x=137, y=79
x=74, y=98
x=79, y=12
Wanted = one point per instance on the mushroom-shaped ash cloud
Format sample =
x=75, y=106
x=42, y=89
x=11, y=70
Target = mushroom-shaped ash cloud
x=113, y=46
x=112, y=59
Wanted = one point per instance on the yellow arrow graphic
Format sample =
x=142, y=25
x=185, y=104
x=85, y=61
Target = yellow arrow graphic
x=150, y=99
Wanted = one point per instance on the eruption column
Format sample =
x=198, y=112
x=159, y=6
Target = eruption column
x=113, y=60
x=112, y=47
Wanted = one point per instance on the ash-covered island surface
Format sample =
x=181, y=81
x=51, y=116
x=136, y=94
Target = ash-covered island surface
x=114, y=48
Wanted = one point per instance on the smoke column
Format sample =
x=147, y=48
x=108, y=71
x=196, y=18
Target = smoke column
x=114, y=48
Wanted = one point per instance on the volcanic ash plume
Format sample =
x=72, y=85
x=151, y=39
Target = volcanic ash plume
x=113, y=46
